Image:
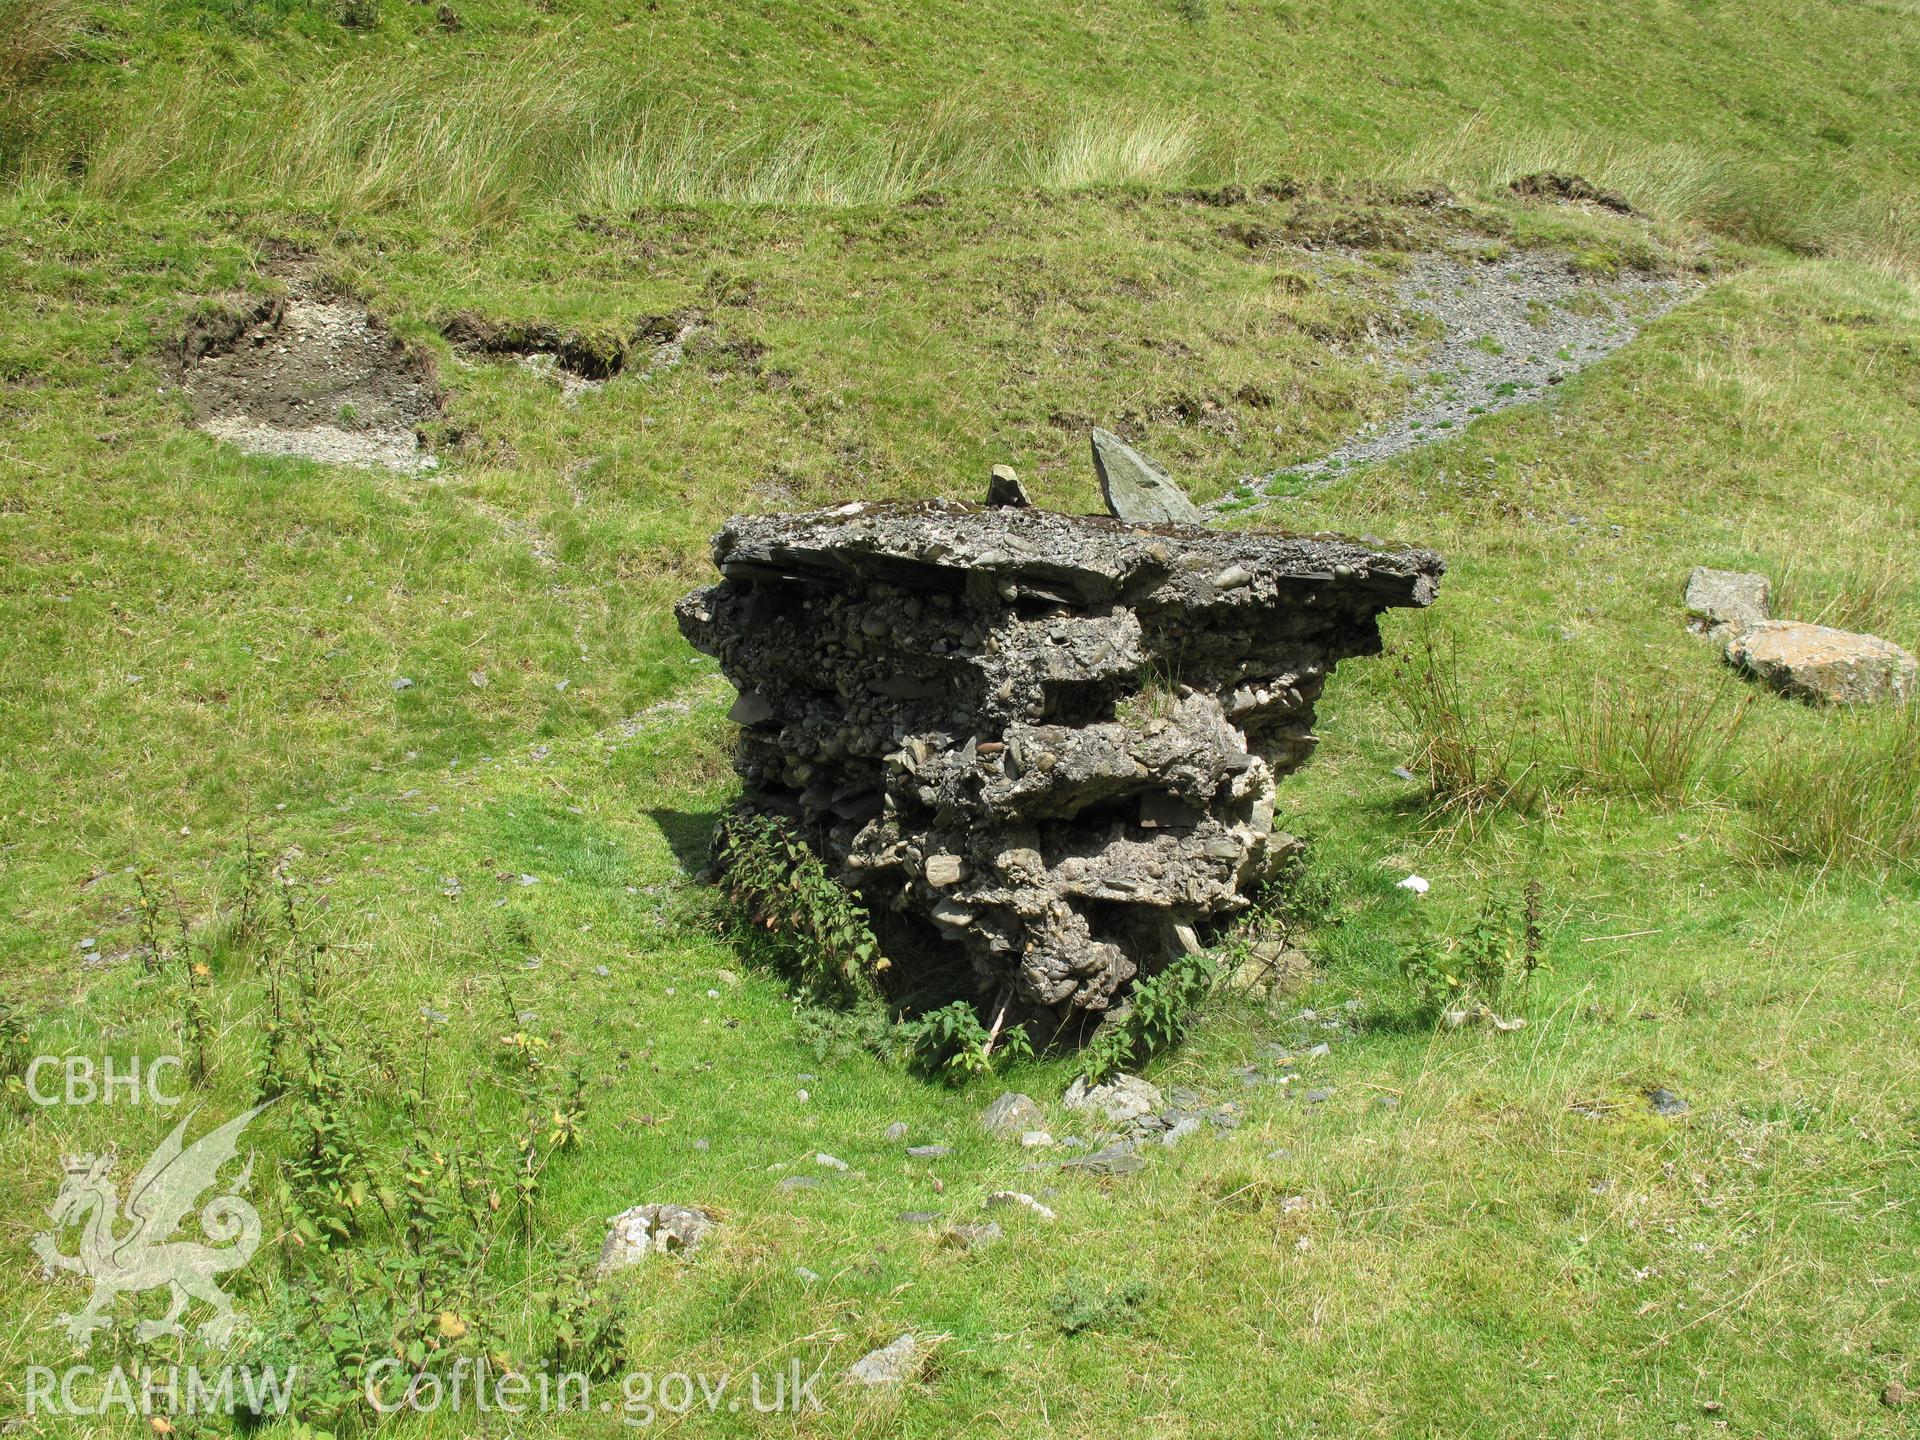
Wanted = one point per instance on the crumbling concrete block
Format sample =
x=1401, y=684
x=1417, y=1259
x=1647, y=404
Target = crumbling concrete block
x=1051, y=740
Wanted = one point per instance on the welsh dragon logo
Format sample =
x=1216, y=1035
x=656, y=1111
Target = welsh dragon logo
x=144, y=1257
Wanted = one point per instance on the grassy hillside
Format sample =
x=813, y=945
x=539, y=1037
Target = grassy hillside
x=973, y=234
x=1782, y=121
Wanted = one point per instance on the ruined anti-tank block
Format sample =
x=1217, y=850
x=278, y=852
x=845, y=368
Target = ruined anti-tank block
x=1050, y=739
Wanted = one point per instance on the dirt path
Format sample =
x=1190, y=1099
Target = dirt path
x=1514, y=329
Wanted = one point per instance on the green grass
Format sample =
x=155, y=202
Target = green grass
x=200, y=644
x=592, y=103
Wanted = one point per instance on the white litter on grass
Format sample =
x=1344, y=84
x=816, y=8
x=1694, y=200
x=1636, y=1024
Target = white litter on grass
x=1414, y=883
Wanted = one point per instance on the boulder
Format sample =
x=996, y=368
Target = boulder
x=893, y=1364
x=653, y=1230
x=1724, y=603
x=1011, y=1114
x=1815, y=663
x=1137, y=489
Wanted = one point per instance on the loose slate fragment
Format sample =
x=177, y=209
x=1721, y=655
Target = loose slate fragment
x=1138, y=489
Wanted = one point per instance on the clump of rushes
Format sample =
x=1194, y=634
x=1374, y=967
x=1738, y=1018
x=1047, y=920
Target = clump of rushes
x=1471, y=771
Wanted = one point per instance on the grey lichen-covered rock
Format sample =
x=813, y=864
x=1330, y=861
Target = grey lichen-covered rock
x=893, y=1364
x=1724, y=603
x=653, y=1230
x=1121, y=1100
x=1815, y=663
x=1136, y=488
x=1012, y=1112
x=1051, y=740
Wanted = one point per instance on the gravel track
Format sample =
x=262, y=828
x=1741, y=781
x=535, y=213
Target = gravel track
x=1514, y=329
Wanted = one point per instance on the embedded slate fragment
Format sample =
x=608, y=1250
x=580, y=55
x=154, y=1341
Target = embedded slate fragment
x=1052, y=740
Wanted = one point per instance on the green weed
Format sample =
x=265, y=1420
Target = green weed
x=953, y=1043
x=783, y=906
x=1156, y=1013
x=1494, y=956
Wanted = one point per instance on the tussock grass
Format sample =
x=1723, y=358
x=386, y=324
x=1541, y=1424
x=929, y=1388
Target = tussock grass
x=35, y=36
x=1661, y=178
x=1114, y=149
x=481, y=139
x=1863, y=588
x=1660, y=744
x=462, y=136
x=1474, y=768
x=1761, y=200
x=1850, y=799
x=398, y=116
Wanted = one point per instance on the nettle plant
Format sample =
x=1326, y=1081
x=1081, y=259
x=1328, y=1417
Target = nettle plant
x=780, y=903
x=951, y=1042
x=410, y=1172
x=1158, y=1013
x=16, y=1053
x=1486, y=964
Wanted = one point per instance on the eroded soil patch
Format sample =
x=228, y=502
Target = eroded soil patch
x=578, y=360
x=313, y=374
x=1570, y=190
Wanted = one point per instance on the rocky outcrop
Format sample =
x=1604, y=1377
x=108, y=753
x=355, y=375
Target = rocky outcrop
x=1050, y=740
x=1816, y=663
x=1722, y=604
